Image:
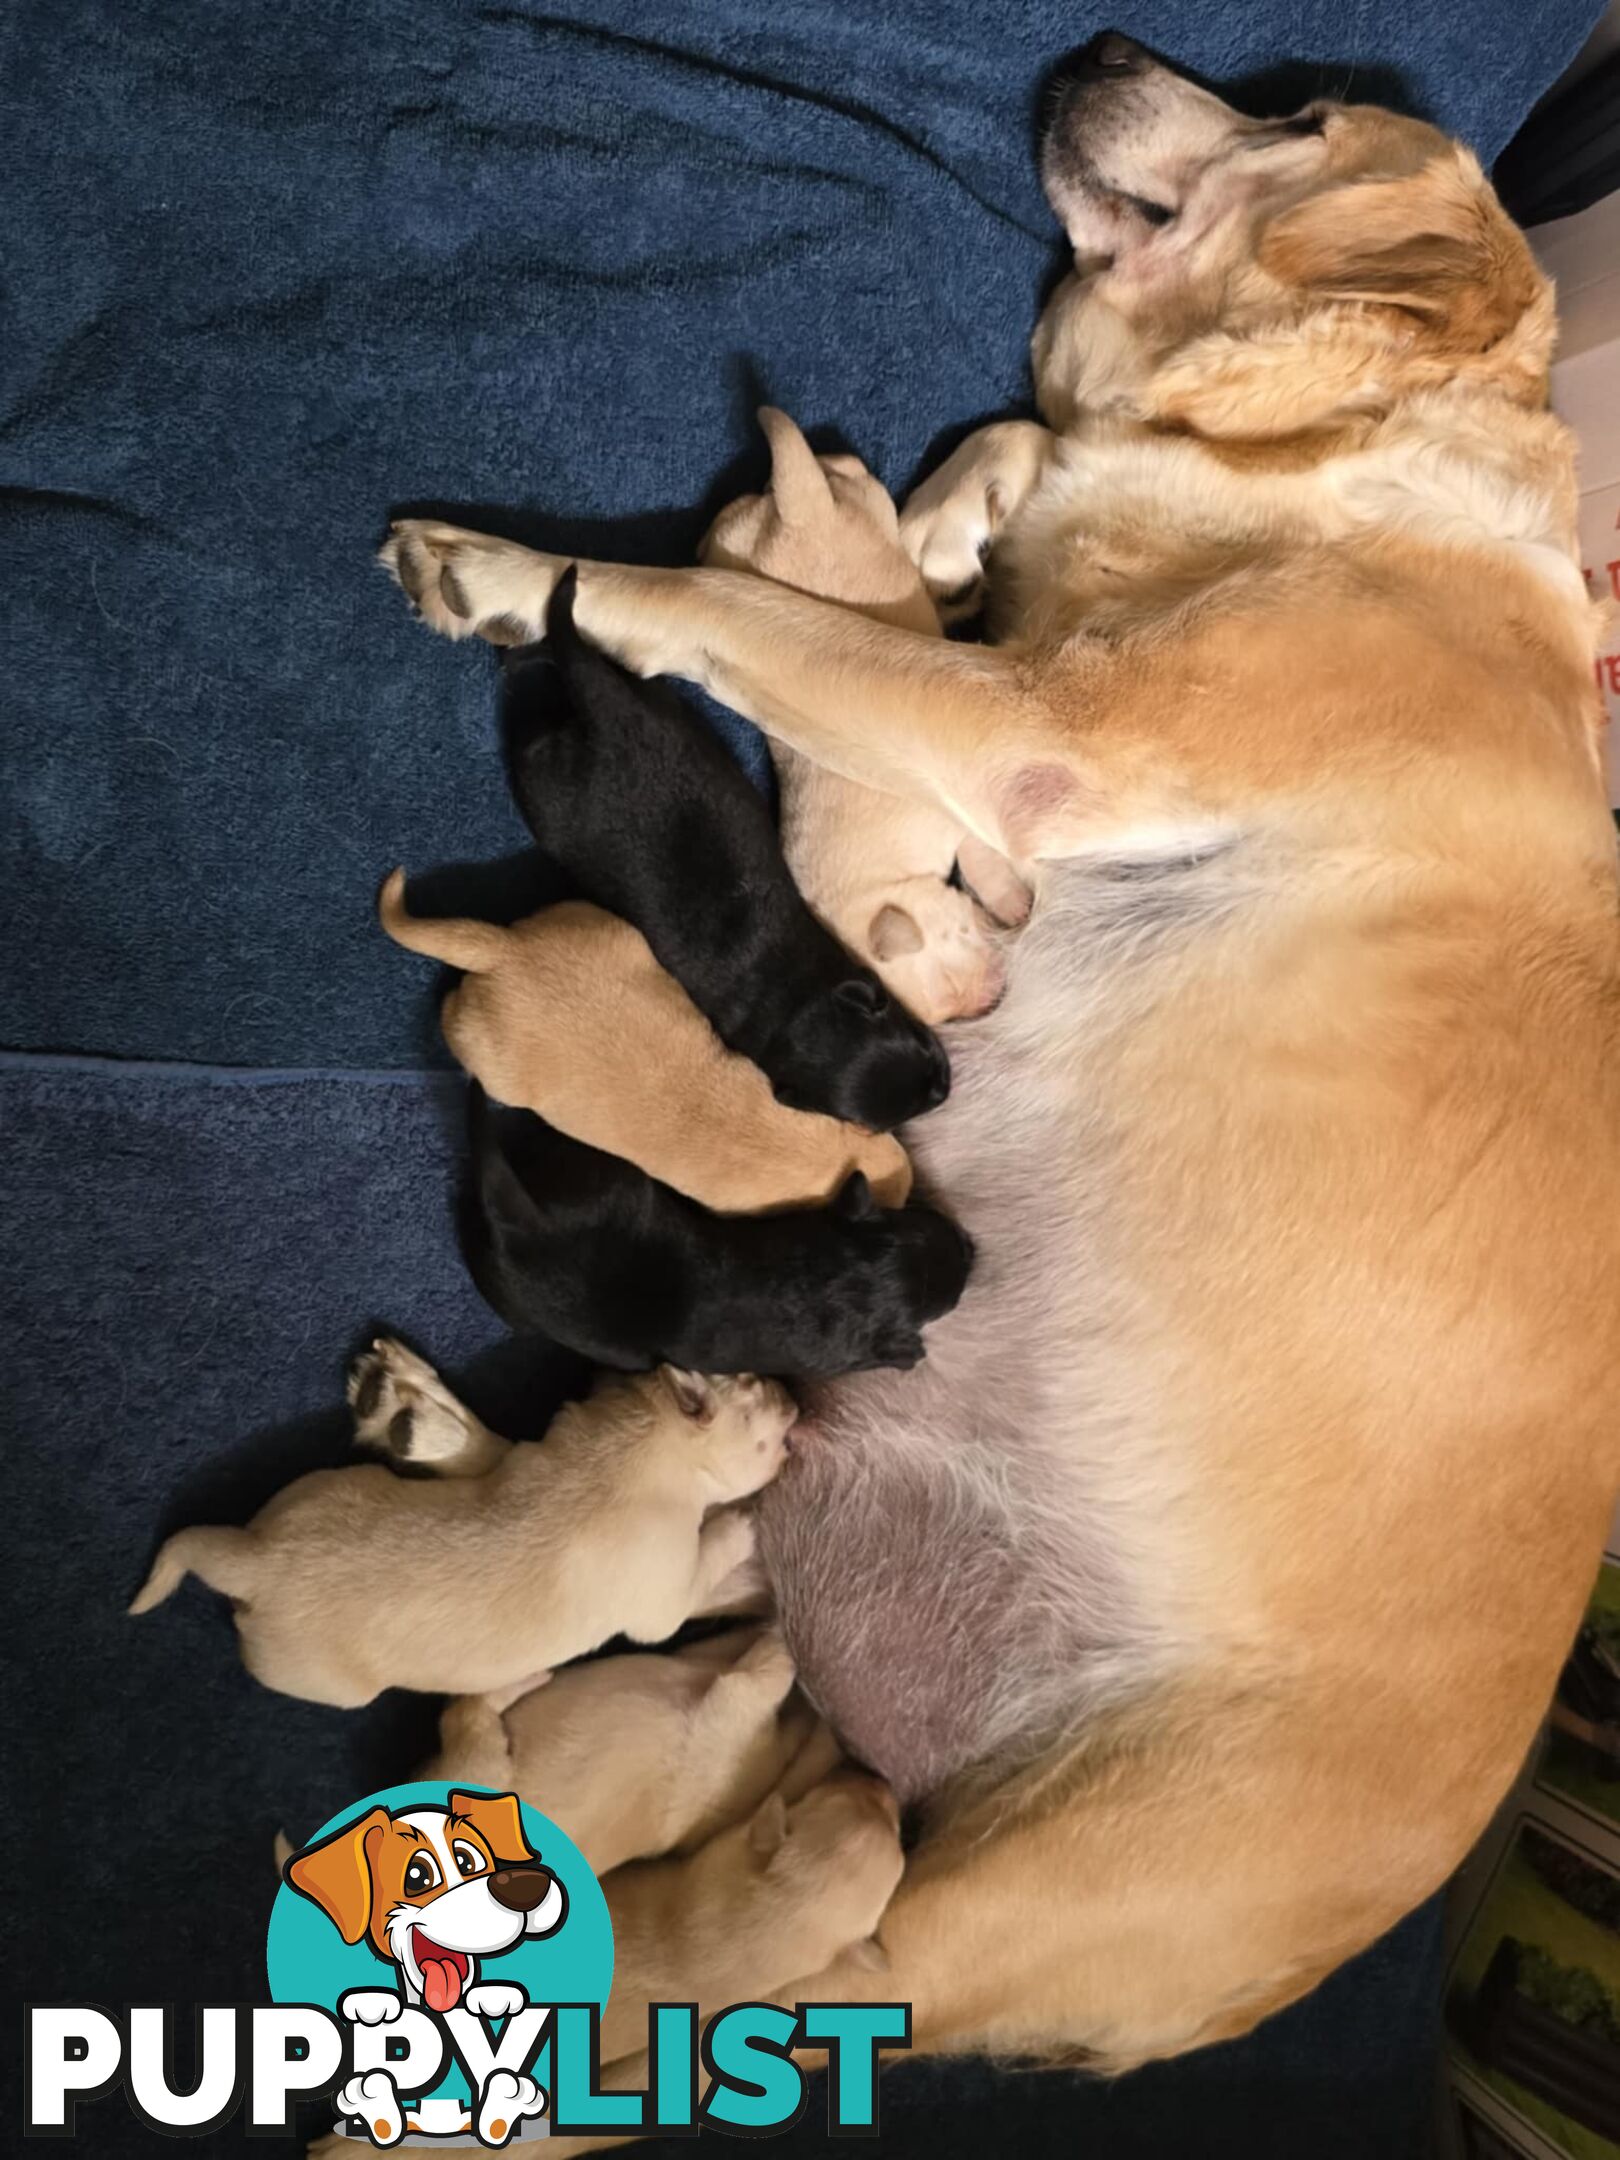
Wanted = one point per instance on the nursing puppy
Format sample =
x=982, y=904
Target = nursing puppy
x=875, y=867
x=640, y=1754
x=758, y=1906
x=568, y=1242
x=628, y=790
x=568, y=1014
x=1209, y=1581
x=351, y=1581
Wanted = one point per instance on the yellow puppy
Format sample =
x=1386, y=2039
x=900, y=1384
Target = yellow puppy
x=755, y=1908
x=641, y=1754
x=568, y=1014
x=873, y=866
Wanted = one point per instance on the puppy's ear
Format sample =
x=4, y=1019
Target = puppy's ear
x=864, y=996
x=893, y=932
x=693, y=1392
x=853, y=1200
x=498, y=1819
x=336, y=1874
x=767, y=1833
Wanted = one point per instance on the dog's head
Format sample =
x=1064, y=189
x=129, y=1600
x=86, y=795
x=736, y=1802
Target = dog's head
x=912, y=1264
x=825, y=526
x=1253, y=279
x=832, y=1860
x=852, y=1050
x=935, y=950
x=729, y=1429
x=433, y=1889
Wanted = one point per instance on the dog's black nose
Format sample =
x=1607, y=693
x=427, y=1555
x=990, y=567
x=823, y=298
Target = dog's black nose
x=1110, y=54
x=519, y=1889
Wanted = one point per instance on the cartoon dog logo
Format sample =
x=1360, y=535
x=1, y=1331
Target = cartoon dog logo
x=434, y=1890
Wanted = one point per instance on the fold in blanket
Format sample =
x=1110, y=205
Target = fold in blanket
x=271, y=270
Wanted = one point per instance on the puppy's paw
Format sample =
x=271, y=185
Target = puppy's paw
x=369, y=2006
x=373, y=2098
x=495, y=1999
x=403, y=1409
x=766, y=1666
x=467, y=584
x=506, y=2101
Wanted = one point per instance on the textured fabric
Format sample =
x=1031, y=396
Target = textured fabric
x=272, y=269
x=190, y=1258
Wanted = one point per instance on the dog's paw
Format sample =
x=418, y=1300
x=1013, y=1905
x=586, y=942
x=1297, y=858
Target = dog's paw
x=403, y=1409
x=496, y=1999
x=369, y=2006
x=372, y=2097
x=468, y=584
x=506, y=2101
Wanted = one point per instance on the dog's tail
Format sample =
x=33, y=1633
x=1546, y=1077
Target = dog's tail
x=219, y=1557
x=456, y=939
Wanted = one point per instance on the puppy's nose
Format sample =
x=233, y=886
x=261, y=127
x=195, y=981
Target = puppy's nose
x=519, y=1889
x=1110, y=54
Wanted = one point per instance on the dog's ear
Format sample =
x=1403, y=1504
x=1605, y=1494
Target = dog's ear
x=767, y=1833
x=693, y=1392
x=853, y=1200
x=869, y=1956
x=1405, y=282
x=498, y=1819
x=1434, y=244
x=893, y=932
x=336, y=1874
x=861, y=994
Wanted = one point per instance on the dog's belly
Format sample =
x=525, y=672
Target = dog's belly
x=956, y=1550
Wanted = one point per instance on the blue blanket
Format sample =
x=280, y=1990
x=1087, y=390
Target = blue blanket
x=268, y=272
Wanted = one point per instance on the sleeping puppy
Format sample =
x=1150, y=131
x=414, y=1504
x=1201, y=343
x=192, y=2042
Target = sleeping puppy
x=875, y=867
x=641, y=1754
x=568, y=1242
x=758, y=1906
x=355, y=1580
x=568, y=1014
x=628, y=790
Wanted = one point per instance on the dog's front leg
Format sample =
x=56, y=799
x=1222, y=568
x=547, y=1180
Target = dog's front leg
x=958, y=725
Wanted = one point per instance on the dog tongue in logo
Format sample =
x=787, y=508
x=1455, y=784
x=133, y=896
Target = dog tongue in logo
x=443, y=1972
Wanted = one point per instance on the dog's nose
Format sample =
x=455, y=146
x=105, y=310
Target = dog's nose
x=519, y=1889
x=1110, y=54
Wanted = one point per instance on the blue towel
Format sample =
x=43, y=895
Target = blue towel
x=271, y=270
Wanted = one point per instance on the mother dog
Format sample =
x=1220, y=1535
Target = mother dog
x=1209, y=1580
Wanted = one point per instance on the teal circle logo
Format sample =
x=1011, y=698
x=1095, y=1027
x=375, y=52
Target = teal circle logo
x=446, y=1897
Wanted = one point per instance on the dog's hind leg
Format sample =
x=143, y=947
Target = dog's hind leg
x=405, y=1412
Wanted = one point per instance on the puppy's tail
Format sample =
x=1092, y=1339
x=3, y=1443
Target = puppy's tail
x=455, y=939
x=219, y=1557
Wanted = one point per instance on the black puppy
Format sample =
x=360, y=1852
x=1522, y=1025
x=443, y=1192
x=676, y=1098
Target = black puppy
x=638, y=801
x=568, y=1242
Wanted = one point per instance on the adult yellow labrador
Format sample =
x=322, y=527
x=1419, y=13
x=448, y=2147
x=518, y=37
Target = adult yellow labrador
x=1208, y=1581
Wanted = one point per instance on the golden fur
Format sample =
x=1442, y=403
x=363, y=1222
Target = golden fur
x=568, y=1014
x=1290, y=587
